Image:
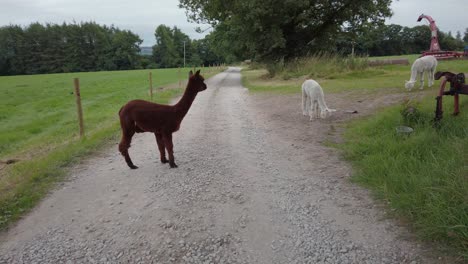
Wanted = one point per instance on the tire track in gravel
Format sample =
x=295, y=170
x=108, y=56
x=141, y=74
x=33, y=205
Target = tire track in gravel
x=243, y=193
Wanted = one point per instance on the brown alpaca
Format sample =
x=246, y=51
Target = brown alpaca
x=162, y=120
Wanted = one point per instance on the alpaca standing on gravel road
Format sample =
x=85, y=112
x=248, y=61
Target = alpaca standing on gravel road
x=138, y=116
x=420, y=66
x=313, y=100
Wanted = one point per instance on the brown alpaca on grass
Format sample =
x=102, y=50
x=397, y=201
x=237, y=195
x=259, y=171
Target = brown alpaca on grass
x=141, y=116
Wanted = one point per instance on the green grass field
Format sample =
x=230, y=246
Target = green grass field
x=334, y=80
x=39, y=125
x=422, y=177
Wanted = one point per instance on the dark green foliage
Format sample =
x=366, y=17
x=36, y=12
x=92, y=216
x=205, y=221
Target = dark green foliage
x=412, y=115
x=384, y=40
x=168, y=52
x=465, y=37
x=272, y=30
x=54, y=48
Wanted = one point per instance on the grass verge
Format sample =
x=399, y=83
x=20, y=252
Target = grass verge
x=424, y=176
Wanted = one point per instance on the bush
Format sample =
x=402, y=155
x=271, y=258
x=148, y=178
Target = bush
x=321, y=65
x=411, y=115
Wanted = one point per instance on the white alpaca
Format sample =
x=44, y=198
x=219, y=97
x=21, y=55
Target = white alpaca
x=313, y=100
x=420, y=66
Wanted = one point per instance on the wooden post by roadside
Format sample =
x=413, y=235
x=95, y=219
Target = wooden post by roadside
x=179, y=78
x=78, y=105
x=151, y=85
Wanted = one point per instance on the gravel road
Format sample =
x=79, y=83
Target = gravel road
x=246, y=191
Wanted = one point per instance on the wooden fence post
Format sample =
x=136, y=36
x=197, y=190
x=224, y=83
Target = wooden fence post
x=78, y=105
x=151, y=85
x=179, y=78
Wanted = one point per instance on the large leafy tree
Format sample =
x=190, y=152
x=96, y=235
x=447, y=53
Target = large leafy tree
x=275, y=29
x=169, y=48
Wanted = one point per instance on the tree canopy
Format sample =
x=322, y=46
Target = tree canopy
x=172, y=43
x=275, y=29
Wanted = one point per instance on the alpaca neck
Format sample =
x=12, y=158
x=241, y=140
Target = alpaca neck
x=186, y=101
x=414, y=74
x=414, y=71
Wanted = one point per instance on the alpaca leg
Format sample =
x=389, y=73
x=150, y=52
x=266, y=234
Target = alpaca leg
x=124, y=145
x=161, y=147
x=167, y=137
x=431, y=78
x=421, y=80
x=311, y=110
x=314, y=110
x=317, y=109
x=304, y=103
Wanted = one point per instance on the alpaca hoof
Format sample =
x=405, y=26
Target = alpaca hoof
x=164, y=161
x=133, y=167
x=173, y=165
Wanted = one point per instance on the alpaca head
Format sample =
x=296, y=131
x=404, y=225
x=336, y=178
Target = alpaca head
x=196, y=81
x=326, y=112
x=409, y=84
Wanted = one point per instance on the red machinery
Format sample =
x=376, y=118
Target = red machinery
x=435, y=50
x=457, y=87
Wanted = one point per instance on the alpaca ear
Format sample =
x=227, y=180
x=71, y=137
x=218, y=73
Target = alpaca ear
x=190, y=74
x=197, y=73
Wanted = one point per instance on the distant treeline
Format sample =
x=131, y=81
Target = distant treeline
x=385, y=40
x=53, y=48
x=62, y=48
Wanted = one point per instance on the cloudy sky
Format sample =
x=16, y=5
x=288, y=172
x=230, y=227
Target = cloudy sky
x=143, y=16
x=450, y=15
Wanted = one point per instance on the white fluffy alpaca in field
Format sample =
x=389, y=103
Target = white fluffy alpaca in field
x=420, y=67
x=313, y=100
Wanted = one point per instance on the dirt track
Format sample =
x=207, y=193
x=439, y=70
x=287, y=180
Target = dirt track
x=254, y=185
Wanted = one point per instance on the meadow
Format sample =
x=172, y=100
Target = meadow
x=422, y=177
x=39, y=128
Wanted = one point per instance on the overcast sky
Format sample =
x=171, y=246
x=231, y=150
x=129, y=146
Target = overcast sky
x=449, y=15
x=143, y=16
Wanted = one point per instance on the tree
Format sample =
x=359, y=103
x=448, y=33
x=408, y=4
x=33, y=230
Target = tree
x=277, y=29
x=11, y=41
x=55, y=48
x=164, y=51
x=125, y=46
x=458, y=36
x=448, y=42
x=171, y=47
